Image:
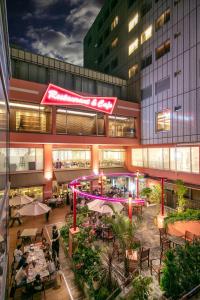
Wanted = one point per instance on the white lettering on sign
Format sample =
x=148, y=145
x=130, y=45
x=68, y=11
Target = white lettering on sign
x=55, y=95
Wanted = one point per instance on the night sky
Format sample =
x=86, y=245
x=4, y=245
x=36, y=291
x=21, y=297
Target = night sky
x=55, y=28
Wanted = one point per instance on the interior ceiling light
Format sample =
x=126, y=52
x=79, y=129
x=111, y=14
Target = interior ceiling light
x=12, y=104
x=79, y=113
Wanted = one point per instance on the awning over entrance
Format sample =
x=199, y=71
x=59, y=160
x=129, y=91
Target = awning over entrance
x=27, y=179
x=65, y=176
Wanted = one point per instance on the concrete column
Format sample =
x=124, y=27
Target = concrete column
x=95, y=158
x=48, y=170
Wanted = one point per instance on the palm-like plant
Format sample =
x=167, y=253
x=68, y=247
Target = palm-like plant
x=124, y=231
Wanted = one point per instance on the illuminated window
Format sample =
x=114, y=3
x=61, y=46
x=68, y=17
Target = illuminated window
x=114, y=22
x=133, y=70
x=163, y=49
x=24, y=159
x=164, y=18
x=71, y=158
x=179, y=159
x=133, y=46
x=133, y=22
x=146, y=34
x=137, y=157
x=112, y=158
x=163, y=121
x=114, y=43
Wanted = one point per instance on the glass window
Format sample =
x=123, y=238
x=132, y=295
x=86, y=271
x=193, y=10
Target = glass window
x=155, y=157
x=112, y=158
x=164, y=18
x=183, y=159
x=114, y=43
x=74, y=122
x=133, y=46
x=166, y=158
x=163, y=121
x=195, y=159
x=121, y=126
x=173, y=159
x=25, y=159
x=146, y=34
x=34, y=192
x=114, y=22
x=71, y=158
x=137, y=157
x=133, y=22
x=133, y=70
x=180, y=159
x=163, y=49
x=26, y=117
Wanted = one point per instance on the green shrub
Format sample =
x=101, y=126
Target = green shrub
x=188, y=215
x=140, y=288
x=181, y=271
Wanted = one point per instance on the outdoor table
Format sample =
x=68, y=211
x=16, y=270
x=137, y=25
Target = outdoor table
x=37, y=262
x=52, y=202
x=176, y=241
x=28, y=233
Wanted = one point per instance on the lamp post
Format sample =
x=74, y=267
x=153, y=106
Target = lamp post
x=130, y=207
x=75, y=185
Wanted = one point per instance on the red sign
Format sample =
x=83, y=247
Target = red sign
x=55, y=95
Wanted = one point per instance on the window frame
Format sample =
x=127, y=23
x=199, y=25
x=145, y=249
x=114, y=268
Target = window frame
x=156, y=120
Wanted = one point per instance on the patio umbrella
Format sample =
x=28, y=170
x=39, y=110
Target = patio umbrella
x=103, y=206
x=34, y=209
x=20, y=200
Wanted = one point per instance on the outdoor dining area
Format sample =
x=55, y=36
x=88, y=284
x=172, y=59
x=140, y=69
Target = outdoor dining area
x=108, y=247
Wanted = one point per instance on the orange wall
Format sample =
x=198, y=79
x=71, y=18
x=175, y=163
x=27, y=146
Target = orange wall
x=48, y=170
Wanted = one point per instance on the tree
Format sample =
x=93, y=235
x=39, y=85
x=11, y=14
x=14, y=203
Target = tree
x=180, y=191
x=155, y=195
x=146, y=192
x=124, y=231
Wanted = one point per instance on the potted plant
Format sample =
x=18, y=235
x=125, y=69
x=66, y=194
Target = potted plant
x=146, y=192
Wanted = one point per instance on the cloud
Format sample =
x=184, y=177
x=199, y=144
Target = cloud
x=81, y=17
x=27, y=16
x=43, y=4
x=55, y=44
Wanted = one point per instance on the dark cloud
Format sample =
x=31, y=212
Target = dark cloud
x=52, y=27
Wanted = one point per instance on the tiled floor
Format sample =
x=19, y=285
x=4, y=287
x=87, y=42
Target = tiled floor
x=56, y=215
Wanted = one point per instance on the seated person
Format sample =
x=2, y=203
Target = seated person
x=45, y=245
x=37, y=284
x=18, y=253
x=21, y=275
x=23, y=260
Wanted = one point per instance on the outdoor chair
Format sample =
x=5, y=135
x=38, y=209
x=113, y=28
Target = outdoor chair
x=163, y=235
x=107, y=234
x=34, y=292
x=60, y=203
x=156, y=265
x=39, y=234
x=144, y=256
x=189, y=236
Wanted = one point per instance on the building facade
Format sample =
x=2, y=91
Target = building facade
x=4, y=146
x=156, y=45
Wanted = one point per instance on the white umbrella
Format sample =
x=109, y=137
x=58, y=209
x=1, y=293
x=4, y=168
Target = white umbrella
x=34, y=209
x=103, y=207
x=20, y=200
